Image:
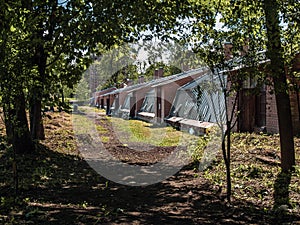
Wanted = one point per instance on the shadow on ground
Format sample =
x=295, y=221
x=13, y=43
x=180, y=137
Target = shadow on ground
x=56, y=189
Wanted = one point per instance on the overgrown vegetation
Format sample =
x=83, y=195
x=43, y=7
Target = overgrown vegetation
x=255, y=169
x=57, y=186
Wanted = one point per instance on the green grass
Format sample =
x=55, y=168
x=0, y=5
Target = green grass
x=82, y=124
x=252, y=179
x=104, y=139
x=135, y=131
x=142, y=132
x=101, y=130
x=130, y=130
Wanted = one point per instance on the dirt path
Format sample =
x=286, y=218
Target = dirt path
x=59, y=187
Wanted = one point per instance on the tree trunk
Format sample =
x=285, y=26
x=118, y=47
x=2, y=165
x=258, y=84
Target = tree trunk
x=62, y=96
x=275, y=54
x=228, y=170
x=36, y=122
x=17, y=125
x=226, y=150
x=8, y=118
x=62, y=104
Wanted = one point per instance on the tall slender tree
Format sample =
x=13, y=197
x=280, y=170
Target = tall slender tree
x=50, y=43
x=277, y=68
x=13, y=48
x=268, y=25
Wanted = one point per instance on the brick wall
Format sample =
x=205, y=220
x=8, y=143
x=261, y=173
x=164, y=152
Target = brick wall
x=271, y=112
x=295, y=111
x=272, y=125
x=169, y=93
x=122, y=97
x=272, y=121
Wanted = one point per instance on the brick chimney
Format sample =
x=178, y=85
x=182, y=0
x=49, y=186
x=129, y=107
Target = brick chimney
x=296, y=63
x=185, y=67
x=141, y=79
x=245, y=48
x=155, y=74
x=160, y=72
x=227, y=50
x=129, y=82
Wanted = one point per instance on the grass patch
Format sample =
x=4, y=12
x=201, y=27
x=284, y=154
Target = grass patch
x=104, y=139
x=82, y=124
x=139, y=130
x=253, y=180
x=101, y=130
x=135, y=131
x=142, y=132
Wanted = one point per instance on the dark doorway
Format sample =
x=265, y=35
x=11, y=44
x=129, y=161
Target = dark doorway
x=132, y=113
x=102, y=103
x=260, y=112
x=252, y=106
x=107, y=106
x=247, y=103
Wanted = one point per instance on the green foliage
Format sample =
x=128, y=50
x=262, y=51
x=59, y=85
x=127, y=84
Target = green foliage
x=82, y=91
x=46, y=46
x=196, y=150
